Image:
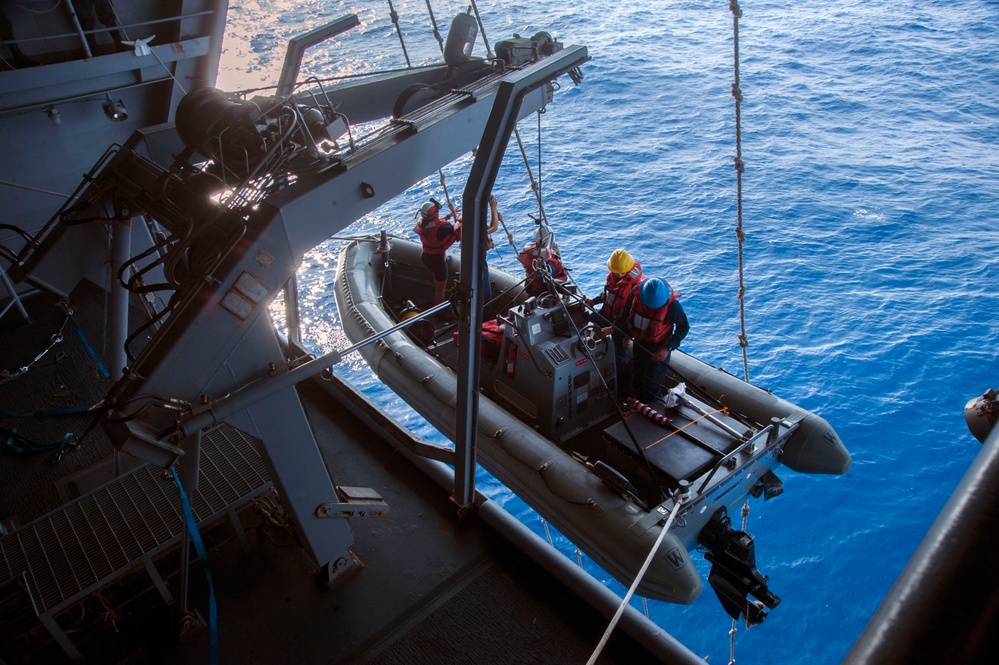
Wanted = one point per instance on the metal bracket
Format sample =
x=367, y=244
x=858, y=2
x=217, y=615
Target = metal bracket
x=144, y=444
x=338, y=571
x=354, y=502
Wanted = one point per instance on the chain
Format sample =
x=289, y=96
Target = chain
x=7, y=376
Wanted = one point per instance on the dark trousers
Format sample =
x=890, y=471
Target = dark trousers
x=89, y=11
x=649, y=374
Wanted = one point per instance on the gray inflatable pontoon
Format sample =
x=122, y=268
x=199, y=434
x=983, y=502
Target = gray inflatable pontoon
x=550, y=428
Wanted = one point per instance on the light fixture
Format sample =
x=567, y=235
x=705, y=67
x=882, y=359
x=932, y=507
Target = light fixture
x=53, y=113
x=114, y=110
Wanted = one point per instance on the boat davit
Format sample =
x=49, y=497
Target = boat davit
x=551, y=429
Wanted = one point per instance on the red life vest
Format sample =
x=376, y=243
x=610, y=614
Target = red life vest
x=617, y=289
x=647, y=324
x=429, y=235
x=492, y=340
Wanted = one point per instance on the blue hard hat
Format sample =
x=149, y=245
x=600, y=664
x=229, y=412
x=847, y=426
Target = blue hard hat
x=654, y=292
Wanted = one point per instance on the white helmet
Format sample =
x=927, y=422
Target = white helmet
x=429, y=209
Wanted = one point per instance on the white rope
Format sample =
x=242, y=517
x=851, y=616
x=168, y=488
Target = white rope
x=679, y=500
x=167, y=70
x=734, y=629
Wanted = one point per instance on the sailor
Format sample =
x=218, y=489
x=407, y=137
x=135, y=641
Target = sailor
x=623, y=276
x=437, y=234
x=541, y=254
x=655, y=321
x=494, y=219
x=88, y=12
x=7, y=34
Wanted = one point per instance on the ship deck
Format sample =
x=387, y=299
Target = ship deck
x=430, y=588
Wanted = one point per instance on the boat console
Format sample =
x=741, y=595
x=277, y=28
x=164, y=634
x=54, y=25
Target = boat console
x=554, y=368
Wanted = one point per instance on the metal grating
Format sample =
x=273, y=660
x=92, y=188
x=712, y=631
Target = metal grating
x=74, y=550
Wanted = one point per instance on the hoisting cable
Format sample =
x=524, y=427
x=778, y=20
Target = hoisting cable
x=535, y=184
x=542, y=220
x=433, y=22
x=739, y=168
x=679, y=498
x=394, y=15
x=482, y=29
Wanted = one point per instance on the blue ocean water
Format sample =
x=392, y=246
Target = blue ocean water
x=869, y=133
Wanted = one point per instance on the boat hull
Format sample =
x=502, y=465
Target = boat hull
x=615, y=532
x=726, y=453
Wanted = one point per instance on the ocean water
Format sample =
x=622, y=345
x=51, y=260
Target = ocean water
x=869, y=133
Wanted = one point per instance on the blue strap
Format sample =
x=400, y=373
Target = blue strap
x=199, y=547
x=93, y=354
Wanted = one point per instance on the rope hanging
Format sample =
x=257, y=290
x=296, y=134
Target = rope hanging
x=447, y=196
x=433, y=22
x=733, y=5
x=740, y=167
x=482, y=29
x=395, y=20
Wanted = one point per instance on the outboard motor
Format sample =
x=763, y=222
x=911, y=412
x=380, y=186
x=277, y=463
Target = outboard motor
x=733, y=572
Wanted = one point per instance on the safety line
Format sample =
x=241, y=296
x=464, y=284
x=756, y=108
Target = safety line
x=199, y=546
x=93, y=354
x=679, y=500
x=680, y=429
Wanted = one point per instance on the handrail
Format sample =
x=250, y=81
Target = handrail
x=751, y=442
x=117, y=27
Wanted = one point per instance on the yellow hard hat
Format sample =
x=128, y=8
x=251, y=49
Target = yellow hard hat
x=620, y=262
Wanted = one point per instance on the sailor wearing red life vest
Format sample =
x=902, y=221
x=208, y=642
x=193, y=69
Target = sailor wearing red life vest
x=437, y=234
x=655, y=321
x=624, y=275
x=539, y=254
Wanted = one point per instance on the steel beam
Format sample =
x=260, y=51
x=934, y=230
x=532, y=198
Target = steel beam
x=506, y=110
x=300, y=43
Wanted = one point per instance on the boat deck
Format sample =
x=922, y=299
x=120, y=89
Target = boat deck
x=430, y=589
